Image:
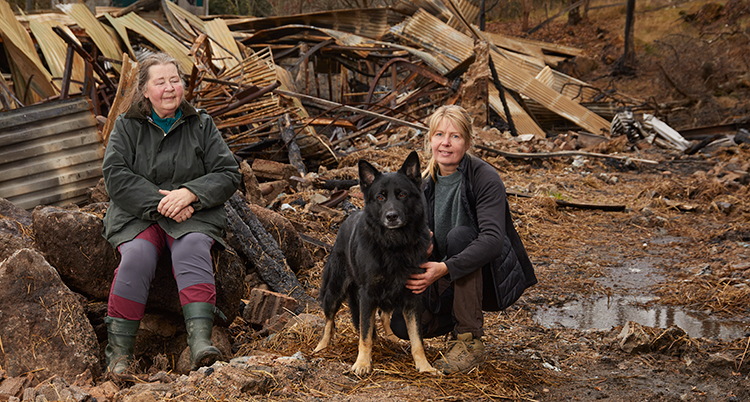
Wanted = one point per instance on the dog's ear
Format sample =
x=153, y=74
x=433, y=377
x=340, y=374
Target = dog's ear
x=367, y=175
x=411, y=167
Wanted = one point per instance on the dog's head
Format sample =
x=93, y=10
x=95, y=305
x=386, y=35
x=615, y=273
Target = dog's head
x=393, y=197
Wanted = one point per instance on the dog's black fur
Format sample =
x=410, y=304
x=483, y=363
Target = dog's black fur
x=375, y=252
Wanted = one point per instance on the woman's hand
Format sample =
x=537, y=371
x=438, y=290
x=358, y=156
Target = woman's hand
x=432, y=272
x=175, y=202
x=185, y=214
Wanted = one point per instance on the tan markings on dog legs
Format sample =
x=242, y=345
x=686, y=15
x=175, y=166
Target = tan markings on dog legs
x=417, y=348
x=326, y=339
x=363, y=365
x=385, y=320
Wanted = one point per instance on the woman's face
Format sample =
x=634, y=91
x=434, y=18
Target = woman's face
x=164, y=89
x=448, y=147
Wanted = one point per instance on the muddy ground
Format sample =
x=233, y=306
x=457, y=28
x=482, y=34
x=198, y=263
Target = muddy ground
x=674, y=257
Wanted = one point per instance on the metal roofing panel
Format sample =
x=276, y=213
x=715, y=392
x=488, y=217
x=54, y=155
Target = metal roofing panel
x=95, y=30
x=50, y=154
x=217, y=30
x=55, y=49
x=26, y=64
x=158, y=37
x=524, y=123
x=455, y=47
x=369, y=22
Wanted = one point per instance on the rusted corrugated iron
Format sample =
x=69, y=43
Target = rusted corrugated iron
x=50, y=154
x=94, y=29
x=454, y=46
x=369, y=22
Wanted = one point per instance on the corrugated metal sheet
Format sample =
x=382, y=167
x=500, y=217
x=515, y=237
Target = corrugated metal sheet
x=50, y=153
x=369, y=22
x=94, y=29
x=156, y=36
x=217, y=30
x=452, y=47
x=55, y=50
x=26, y=66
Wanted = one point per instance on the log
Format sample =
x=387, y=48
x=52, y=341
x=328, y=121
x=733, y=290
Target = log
x=252, y=240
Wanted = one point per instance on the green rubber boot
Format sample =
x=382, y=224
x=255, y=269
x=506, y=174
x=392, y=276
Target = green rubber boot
x=121, y=342
x=199, y=321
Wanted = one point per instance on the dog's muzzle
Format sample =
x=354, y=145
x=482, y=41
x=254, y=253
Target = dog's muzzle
x=393, y=220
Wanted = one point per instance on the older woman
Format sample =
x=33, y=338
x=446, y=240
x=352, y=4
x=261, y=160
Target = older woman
x=477, y=261
x=168, y=173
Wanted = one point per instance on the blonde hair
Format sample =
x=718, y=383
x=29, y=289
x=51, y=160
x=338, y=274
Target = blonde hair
x=461, y=119
x=144, y=66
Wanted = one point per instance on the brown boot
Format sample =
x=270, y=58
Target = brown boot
x=465, y=353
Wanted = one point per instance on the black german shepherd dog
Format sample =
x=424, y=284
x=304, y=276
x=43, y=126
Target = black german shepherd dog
x=375, y=252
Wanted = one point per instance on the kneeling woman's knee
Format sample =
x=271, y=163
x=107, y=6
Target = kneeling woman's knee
x=458, y=239
x=398, y=325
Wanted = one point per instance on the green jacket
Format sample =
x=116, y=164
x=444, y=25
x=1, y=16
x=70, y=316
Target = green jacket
x=141, y=159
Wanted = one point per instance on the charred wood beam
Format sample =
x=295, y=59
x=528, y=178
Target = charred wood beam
x=501, y=90
x=570, y=204
x=252, y=240
x=542, y=155
x=328, y=104
x=65, y=87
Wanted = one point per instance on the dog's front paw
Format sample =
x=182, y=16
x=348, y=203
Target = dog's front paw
x=362, y=368
x=428, y=369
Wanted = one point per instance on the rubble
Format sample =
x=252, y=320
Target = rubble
x=299, y=99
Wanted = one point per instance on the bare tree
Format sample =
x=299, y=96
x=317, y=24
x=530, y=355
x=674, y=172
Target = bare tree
x=626, y=64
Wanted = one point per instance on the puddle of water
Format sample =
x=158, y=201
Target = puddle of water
x=633, y=279
x=601, y=313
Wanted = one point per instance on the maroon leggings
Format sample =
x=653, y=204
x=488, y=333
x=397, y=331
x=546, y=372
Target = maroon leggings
x=191, y=265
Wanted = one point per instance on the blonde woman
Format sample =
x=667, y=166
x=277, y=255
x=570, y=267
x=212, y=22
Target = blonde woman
x=477, y=261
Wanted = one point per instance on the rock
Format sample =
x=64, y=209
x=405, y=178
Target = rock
x=297, y=255
x=72, y=242
x=673, y=341
x=742, y=137
x=57, y=389
x=98, y=194
x=44, y=324
x=633, y=339
x=15, y=229
x=12, y=387
x=721, y=364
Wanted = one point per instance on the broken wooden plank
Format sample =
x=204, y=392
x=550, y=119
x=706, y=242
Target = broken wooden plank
x=126, y=89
